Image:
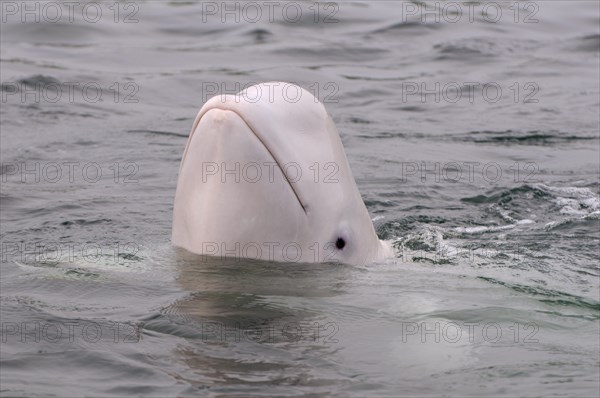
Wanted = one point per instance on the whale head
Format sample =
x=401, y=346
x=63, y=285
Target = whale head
x=264, y=176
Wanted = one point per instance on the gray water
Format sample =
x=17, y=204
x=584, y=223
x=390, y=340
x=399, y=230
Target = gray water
x=488, y=186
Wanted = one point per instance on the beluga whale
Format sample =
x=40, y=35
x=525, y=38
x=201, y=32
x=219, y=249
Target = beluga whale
x=264, y=176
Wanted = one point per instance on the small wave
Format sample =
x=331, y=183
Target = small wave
x=259, y=35
x=483, y=48
x=35, y=81
x=572, y=192
x=158, y=132
x=576, y=203
x=551, y=297
x=589, y=43
x=85, y=222
x=481, y=228
x=533, y=137
x=416, y=27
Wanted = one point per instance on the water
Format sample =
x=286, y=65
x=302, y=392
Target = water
x=492, y=201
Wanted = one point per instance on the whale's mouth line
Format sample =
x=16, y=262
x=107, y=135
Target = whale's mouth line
x=279, y=164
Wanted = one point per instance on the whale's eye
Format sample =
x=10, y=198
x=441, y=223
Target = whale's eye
x=340, y=243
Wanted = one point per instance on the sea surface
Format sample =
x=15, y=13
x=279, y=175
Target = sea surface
x=472, y=130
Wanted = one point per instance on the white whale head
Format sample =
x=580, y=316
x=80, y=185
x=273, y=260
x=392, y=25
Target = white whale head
x=264, y=175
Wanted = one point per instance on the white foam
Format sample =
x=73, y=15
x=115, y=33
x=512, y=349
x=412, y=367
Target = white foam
x=570, y=192
x=482, y=228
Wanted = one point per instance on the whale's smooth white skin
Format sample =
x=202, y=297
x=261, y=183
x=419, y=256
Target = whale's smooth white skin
x=223, y=207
